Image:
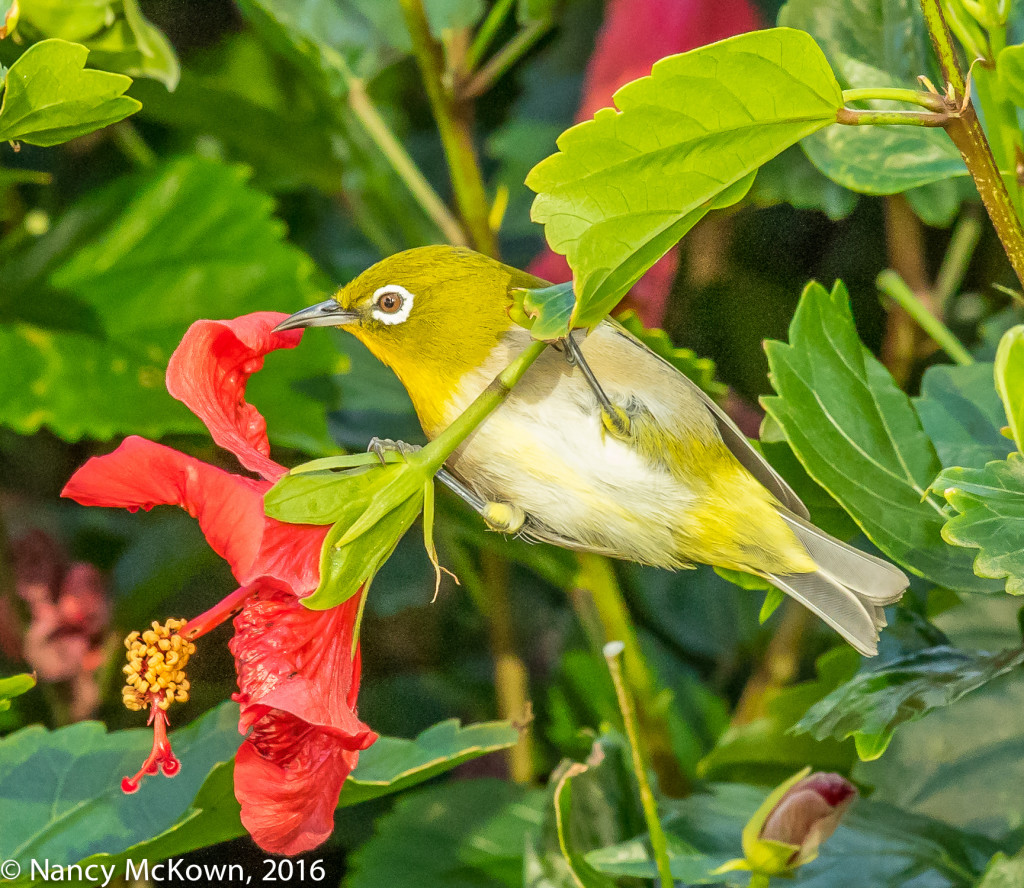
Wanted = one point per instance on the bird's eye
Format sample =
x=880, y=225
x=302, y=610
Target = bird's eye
x=392, y=304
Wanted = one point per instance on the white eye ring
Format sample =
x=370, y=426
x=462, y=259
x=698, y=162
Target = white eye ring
x=393, y=317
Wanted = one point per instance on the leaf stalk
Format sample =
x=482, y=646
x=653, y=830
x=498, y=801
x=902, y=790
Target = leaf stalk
x=890, y=283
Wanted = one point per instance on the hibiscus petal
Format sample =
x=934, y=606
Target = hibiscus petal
x=299, y=661
x=141, y=474
x=208, y=372
x=288, y=800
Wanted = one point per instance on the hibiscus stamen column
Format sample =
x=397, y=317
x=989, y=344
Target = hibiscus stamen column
x=155, y=675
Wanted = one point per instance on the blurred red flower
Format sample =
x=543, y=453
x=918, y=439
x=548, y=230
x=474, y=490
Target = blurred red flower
x=298, y=671
x=635, y=34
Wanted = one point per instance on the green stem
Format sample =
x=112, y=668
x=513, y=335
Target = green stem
x=966, y=133
x=858, y=117
x=487, y=32
x=378, y=130
x=659, y=843
x=133, y=145
x=454, y=126
x=958, y=256
x=597, y=579
x=896, y=289
x=1001, y=119
x=505, y=58
x=891, y=94
x=438, y=450
x=758, y=880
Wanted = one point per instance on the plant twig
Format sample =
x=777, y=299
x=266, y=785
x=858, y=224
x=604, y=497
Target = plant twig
x=596, y=579
x=453, y=123
x=962, y=243
x=659, y=843
x=505, y=58
x=487, y=32
x=511, y=679
x=966, y=132
x=891, y=94
x=859, y=117
x=378, y=130
x=890, y=283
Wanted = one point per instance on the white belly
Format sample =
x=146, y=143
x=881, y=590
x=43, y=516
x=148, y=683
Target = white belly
x=545, y=450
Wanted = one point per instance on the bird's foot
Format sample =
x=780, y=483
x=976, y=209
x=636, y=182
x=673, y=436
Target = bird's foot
x=380, y=446
x=613, y=418
x=503, y=517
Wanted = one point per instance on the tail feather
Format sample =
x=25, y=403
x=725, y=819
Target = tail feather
x=849, y=588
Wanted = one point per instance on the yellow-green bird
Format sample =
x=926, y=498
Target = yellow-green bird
x=614, y=452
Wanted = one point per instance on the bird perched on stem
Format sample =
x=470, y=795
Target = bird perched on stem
x=602, y=446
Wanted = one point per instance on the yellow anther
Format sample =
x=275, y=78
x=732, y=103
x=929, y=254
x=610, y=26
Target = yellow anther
x=154, y=673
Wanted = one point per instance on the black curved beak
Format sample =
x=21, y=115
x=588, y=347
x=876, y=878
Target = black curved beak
x=324, y=314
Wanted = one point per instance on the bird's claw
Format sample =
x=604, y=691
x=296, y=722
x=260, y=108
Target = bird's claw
x=380, y=446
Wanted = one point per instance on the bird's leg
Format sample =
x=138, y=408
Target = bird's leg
x=380, y=446
x=613, y=417
x=502, y=517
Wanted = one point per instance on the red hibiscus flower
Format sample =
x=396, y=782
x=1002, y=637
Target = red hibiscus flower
x=298, y=670
x=635, y=34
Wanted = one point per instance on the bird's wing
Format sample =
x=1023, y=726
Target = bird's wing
x=733, y=438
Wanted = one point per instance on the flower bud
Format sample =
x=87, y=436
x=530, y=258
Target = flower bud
x=808, y=813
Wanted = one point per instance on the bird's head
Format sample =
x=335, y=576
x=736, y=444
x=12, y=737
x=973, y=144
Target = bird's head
x=431, y=314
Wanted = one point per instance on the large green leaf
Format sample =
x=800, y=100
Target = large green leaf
x=96, y=306
x=468, y=834
x=879, y=699
x=963, y=764
x=117, y=34
x=1004, y=872
x=393, y=764
x=627, y=185
x=333, y=39
x=1009, y=376
x=1010, y=70
x=961, y=412
x=876, y=845
x=66, y=787
x=874, y=43
x=858, y=436
x=50, y=96
x=884, y=159
x=990, y=507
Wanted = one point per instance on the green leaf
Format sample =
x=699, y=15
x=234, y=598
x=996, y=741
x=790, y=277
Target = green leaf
x=345, y=568
x=961, y=412
x=1009, y=374
x=467, y=834
x=627, y=185
x=14, y=686
x=392, y=764
x=963, y=764
x=884, y=159
x=884, y=847
x=94, y=308
x=118, y=35
x=51, y=98
x=1003, y=872
x=685, y=360
x=66, y=786
x=880, y=699
x=874, y=44
x=583, y=873
x=772, y=599
x=858, y=436
x=546, y=312
x=1010, y=71
x=990, y=503
x=528, y=11
x=334, y=39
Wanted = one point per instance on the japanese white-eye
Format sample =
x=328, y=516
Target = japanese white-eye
x=677, y=484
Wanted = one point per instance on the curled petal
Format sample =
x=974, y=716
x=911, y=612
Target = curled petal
x=288, y=776
x=208, y=372
x=141, y=474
